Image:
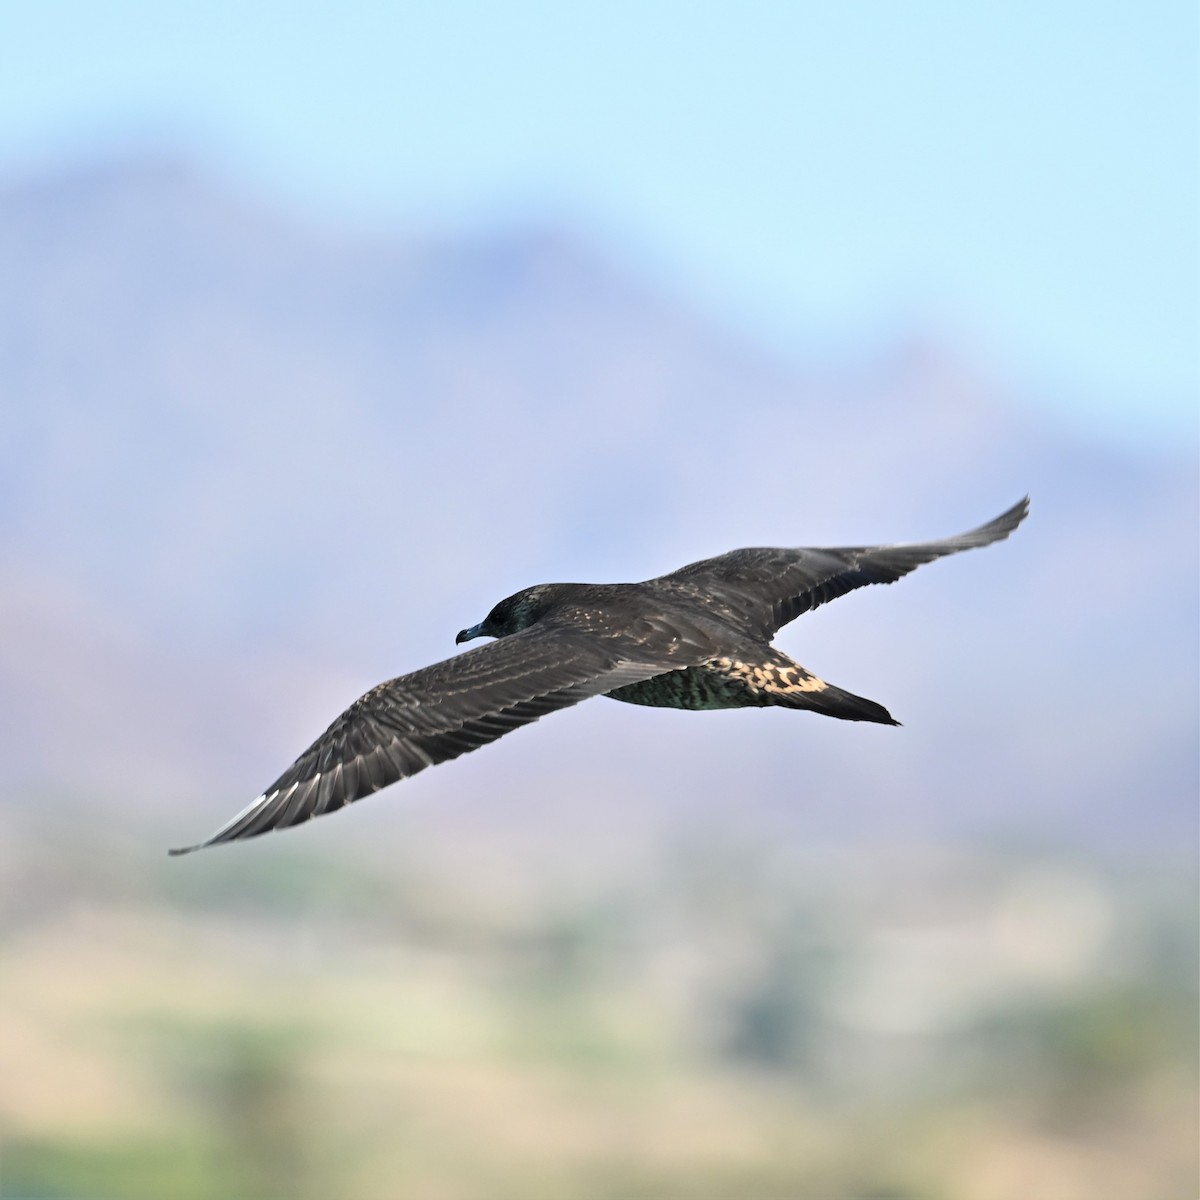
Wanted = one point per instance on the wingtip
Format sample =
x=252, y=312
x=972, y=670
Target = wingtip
x=1017, y=513
x=233, y=828
x=999, y=528
x=217, y=838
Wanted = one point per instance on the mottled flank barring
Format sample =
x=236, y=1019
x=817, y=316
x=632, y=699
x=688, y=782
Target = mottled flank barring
x=699, y=638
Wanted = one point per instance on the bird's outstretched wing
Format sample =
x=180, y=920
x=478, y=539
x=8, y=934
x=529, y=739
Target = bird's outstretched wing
x=760, y=590
x=435, y=714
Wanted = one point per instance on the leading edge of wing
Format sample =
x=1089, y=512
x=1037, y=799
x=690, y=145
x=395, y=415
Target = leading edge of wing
x=433, y=715
x=764, y=588
x=888, y=563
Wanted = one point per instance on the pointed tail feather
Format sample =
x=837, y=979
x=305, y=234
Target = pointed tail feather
x=833, y=701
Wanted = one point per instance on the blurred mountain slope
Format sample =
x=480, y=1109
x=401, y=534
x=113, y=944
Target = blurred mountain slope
x=249, y=468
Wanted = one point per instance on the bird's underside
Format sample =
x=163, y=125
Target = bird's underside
x=751, y=681
x=698, y=638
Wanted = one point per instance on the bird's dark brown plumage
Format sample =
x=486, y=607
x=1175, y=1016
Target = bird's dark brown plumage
x=698, y=638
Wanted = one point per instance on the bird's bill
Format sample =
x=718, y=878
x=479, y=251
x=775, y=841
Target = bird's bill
x=465, y=635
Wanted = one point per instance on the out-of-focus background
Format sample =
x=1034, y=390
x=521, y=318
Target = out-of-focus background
x=322, y=328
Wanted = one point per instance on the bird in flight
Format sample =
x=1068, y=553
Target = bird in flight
x=699, y=638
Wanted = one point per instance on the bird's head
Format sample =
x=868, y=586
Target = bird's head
x=511, y=615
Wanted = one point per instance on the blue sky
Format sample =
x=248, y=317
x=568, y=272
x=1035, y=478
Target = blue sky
x=1022, y=177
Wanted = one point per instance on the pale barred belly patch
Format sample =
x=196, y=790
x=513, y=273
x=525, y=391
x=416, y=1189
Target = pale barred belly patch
x=722, y=683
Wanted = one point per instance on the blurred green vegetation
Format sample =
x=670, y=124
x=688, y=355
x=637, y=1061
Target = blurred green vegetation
x=912, y=1023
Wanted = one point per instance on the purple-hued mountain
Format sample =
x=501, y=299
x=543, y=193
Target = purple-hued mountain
x=249, y=468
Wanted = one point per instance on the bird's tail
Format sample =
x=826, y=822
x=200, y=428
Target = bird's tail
x=833, y=701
